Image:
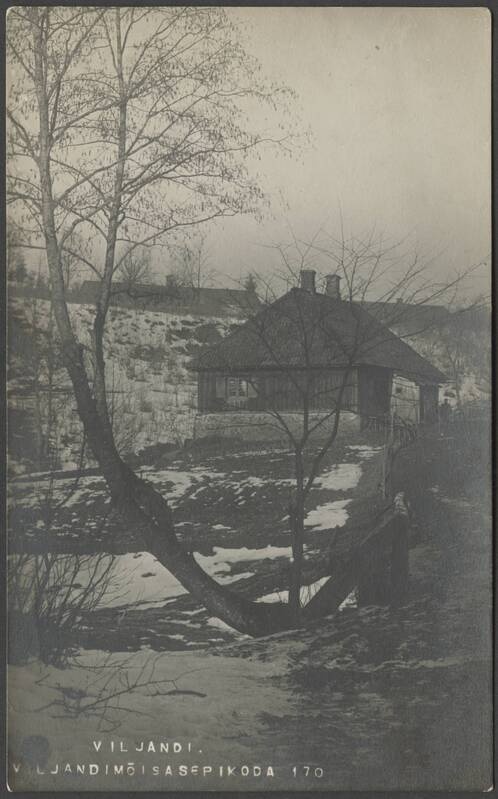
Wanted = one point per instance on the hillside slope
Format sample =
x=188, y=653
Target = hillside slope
x=152, y=393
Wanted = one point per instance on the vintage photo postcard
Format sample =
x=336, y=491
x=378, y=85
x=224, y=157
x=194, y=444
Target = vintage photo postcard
x=249, y=398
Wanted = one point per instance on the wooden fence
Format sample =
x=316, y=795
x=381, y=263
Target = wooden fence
x=378, y=567
x=403, y=432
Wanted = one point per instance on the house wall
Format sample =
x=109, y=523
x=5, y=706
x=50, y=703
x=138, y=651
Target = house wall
x=374, y=390
x=281, y=391
x=262, y=426
x=405, y=399
x=429, y=404
x=380, y=392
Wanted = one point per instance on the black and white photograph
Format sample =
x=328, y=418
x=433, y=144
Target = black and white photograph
x=249, y=392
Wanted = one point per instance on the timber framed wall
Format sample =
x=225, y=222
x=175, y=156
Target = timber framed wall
x=289, y=390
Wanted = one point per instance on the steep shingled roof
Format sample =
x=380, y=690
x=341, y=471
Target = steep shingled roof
x=303, y=328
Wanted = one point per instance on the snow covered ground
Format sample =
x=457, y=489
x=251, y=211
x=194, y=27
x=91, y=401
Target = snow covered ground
x=229, y=517
x=197, y=700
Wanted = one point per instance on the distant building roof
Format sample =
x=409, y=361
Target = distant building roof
x=409, y=317
x=305, y=328
x=171, y=298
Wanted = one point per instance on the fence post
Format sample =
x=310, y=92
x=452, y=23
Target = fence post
x=400, y=568
x=373, y=582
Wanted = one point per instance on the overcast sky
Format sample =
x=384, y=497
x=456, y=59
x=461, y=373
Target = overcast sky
x=398, y=104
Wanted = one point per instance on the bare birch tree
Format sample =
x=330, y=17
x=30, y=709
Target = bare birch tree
x=128, y=125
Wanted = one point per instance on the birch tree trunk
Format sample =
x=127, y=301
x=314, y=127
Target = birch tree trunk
x=137, y=501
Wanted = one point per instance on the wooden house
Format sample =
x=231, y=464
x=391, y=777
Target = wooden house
x=312, y=352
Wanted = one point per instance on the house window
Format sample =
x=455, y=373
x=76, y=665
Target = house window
x=237, y=387
x=235, y=392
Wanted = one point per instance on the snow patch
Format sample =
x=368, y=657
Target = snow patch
x=213, y=621
x=136, y=579
x=307, y=592
x=128, y=571
x=222, y=557
x=364, y=451
x=160, y=584
x=351, y=601
x=341, y=477
x=328, y=516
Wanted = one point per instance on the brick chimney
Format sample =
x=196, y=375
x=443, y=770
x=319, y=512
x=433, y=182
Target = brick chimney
x=333, y=286
x=308, y=280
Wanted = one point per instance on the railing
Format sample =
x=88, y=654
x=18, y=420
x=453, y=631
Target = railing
x=403, y=432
